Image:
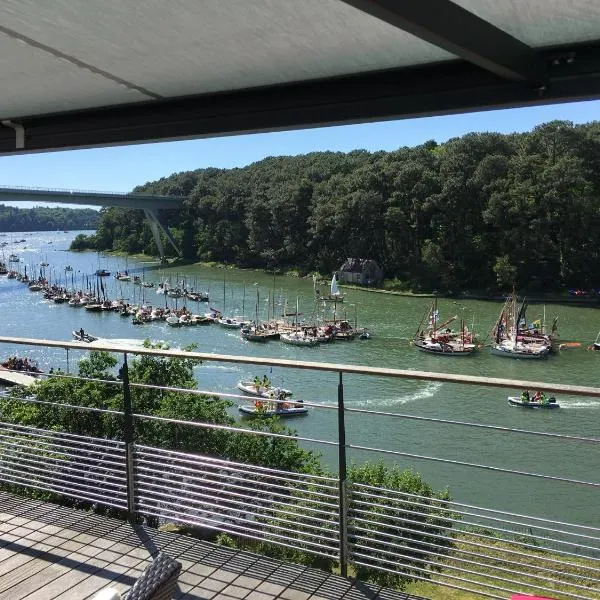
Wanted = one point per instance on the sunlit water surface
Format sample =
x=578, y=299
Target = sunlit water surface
x=392, y=321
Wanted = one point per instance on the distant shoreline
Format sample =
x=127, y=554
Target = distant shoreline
x=587, y=301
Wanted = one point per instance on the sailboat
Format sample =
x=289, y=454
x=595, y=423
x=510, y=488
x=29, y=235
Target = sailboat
x=228, y=322
x=254, y=332
x=509, y=340
x=299, y=337
x=334, y=291
x=440, y=339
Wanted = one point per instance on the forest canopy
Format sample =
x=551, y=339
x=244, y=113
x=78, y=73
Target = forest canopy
x=42, y=218
x=481, y=212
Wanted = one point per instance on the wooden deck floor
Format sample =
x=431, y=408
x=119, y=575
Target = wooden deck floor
x=48, y=552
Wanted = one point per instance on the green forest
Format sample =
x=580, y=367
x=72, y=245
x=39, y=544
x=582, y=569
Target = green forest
x=41, y=218
x=481, y=212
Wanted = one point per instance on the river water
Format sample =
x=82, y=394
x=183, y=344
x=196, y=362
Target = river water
x=392, y=320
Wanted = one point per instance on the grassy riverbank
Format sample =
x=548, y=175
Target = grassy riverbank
x=491, y=567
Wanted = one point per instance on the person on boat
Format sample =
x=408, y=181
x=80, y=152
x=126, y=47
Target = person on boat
x=82, y=333
x=537, y=397
x=525, y=396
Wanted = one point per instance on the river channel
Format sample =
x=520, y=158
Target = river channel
x=392, y=320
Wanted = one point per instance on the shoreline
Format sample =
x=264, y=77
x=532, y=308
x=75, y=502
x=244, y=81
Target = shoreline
x=584, y=301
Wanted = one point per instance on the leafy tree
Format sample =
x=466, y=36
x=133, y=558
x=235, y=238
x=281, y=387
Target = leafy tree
x=42, y=218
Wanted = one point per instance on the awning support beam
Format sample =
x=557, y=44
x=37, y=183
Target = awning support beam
x=460, y=32
x=445, y=88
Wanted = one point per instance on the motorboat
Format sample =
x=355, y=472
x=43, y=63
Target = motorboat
x=270, y=409
x=544, y=402
x=102, y=273
x=260, y=389
x=229, y=322
x=174, y=321
x=82, y=336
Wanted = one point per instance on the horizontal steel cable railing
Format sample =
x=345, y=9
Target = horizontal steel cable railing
x=84, y=468
x=489, y=552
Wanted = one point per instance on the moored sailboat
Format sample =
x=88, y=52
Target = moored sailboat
x=509, y=338
x=440, y=339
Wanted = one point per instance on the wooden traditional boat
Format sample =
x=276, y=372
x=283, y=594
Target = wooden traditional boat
x=444, y=348
x=439, y=339
x=509, y=338
x=252, y=334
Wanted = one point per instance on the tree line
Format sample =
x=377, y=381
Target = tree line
x=481, y=212
x=42, y=218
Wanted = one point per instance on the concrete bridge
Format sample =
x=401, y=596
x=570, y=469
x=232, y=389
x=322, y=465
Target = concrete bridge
x=149, y=203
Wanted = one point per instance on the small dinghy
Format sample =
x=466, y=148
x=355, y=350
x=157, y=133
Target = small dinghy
x=81, y=336
x=273, y=409
x=526, y=402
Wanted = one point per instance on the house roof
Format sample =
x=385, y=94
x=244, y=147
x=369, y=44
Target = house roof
x=82, y=73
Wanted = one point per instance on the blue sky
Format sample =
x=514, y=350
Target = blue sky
x=119, y=169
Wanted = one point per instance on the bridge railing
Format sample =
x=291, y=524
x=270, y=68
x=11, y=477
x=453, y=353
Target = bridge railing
x=365, y=525
x=22, y=188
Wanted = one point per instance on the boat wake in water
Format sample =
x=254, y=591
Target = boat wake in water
x=132, y=342
x=592, y=403
x=427, y=391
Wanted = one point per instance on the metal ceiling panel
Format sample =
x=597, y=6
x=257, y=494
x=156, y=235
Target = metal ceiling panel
x=35, y=82
x=184, y=47
x=540, y=23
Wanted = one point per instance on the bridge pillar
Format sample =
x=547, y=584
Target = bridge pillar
x=156, y=227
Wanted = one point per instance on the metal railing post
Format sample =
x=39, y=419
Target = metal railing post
x=343, y=500
x=128, y=434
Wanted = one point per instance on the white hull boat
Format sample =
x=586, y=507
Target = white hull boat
x=250, y=388
x=509, y=349
x=299, y=339
x=268, y=410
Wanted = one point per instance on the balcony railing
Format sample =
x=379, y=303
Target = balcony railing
x=466, y=546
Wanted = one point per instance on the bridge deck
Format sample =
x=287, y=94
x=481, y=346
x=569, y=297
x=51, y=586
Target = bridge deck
x=49, y=552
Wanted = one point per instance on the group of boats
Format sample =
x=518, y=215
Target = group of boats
x=268, y=400
x=288, y=329
x=511, y=336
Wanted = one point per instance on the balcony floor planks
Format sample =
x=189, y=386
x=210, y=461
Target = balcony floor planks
x=50, y=552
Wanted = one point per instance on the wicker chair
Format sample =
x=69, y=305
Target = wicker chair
x=157, y=582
